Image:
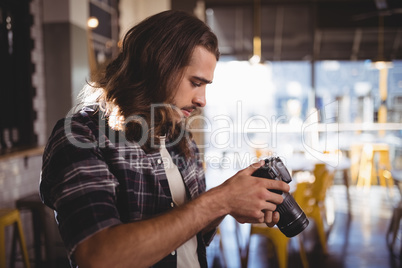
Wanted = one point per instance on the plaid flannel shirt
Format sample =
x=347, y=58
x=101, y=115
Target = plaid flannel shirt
x=93, y=183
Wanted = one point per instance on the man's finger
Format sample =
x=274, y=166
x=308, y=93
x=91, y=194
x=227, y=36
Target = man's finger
x=253, y=167
x=268, y=216
x=275, y=219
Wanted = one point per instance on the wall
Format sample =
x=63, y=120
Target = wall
x=38, y=77
x=132, y=12
x=19, y=176
x=66, y=58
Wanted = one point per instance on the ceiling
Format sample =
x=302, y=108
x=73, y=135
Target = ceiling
x=308, y=29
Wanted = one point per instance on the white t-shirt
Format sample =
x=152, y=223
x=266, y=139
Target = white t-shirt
x=187, y=256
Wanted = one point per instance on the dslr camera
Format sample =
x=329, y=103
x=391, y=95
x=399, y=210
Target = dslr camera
x=292, y=218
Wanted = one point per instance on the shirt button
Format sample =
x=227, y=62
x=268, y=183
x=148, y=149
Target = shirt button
x=172, y=204
x=173, y=253
x=159, y=161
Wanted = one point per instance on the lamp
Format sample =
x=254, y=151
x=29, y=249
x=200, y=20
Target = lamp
x=256, y=58
x=381, y=62
x=382, y=65
x=92, y=23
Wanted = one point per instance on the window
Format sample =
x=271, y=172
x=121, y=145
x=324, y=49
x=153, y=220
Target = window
x=104, y=36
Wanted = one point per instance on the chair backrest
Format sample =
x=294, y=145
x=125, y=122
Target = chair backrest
x=311, y=196
x=323, y=180
x=303, y=196
x=308, y=194
x=320, y=173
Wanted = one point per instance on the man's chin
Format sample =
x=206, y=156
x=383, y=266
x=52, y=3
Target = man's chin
x=180, y=118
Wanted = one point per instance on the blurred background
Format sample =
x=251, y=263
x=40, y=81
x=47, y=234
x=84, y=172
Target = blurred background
x=315, y=82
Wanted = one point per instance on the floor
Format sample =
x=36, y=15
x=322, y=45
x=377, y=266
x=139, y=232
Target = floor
x=356, y=238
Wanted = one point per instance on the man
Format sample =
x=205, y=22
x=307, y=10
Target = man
x=124, y=176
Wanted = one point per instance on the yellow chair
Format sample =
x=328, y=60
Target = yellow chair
x=279, y=240
x=312, y=201
x=11, y=217
x=368, y=170
x=355, y=155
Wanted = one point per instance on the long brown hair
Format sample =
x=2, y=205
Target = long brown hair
x=147, y=71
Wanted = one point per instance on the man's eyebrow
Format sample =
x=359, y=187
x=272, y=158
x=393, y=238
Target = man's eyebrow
x=206, y=81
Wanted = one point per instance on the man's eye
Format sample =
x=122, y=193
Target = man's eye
x=196, y=84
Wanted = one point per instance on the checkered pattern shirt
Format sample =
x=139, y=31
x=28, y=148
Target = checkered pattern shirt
x=94, y=179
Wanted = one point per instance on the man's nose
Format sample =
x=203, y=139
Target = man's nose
x=200, y=99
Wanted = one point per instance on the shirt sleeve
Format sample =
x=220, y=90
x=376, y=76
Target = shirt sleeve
x=77, y=184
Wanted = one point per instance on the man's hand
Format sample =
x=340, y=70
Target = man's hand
x=248, y=198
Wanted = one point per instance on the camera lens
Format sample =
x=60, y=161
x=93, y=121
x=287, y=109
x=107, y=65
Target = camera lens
x=292, y=218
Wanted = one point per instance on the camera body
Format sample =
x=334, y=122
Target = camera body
x=292, y=218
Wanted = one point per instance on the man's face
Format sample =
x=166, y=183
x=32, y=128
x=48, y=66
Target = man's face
x=191, y=91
